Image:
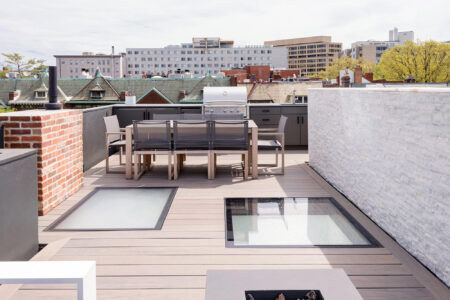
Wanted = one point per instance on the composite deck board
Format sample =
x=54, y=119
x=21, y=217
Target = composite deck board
x=172, y=263
x=199, y=282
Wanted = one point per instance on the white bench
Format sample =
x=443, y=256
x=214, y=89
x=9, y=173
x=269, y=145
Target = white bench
x=31, y=272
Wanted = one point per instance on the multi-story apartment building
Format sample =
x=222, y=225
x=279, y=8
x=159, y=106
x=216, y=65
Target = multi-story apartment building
x=369, y=50
x=201, y=56
x=85, y=65
x=309, y=54
x=373, y=50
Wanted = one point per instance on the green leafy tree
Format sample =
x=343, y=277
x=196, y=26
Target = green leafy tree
x=427, y=62
x=3, y=74
x=344, y=63
x=24, y=67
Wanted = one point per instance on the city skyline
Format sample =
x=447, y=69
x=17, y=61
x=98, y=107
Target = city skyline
x=96, y=26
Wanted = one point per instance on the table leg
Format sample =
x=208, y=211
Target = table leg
x=128, y=152
x=255, y=152
x=87, y=287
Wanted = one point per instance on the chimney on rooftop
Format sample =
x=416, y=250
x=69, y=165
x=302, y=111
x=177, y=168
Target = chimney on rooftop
x=52, y=90
x=358, y=74
x=112, y=50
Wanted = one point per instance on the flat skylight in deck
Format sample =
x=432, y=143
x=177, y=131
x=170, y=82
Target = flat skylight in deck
x=118, y=209
x=292, y=222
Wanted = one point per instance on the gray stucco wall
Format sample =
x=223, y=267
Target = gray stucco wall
x=18, y=204
x=388, y=151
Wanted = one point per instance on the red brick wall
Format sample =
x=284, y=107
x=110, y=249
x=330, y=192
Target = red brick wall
x=58, y=137
x=262, y=73
x=240, y=75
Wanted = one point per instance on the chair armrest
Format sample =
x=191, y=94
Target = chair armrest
x=274, y=134
x=273, y=129
x=110, y=133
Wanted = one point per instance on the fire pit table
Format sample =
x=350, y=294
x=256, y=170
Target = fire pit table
x=331, y=284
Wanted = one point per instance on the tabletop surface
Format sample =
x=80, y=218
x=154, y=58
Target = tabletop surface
x=45, y=269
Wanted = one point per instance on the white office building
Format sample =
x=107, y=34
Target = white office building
x=400, y=36
x=201, y=56
x=85, y=65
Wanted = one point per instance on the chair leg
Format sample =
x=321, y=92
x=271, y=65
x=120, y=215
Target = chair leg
x=169, y=171
x=136, y=166
x=175, y=166
x=120, y=156
x=107, y=159
x=209, y=166
x=154, y=157
x=246, y=166
x=276, y=157
x=282, y=160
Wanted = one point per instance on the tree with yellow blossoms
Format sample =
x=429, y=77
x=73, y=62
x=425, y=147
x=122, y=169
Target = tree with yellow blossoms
x=344, y=63
x=427, y=62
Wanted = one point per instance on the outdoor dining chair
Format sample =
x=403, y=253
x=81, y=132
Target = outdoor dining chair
x=114, y=139
x=219, y=117
x=151, y=137
x=229, y=137
x=193, y=117
x=276, y=144
x=190, y=137
x=167, y=117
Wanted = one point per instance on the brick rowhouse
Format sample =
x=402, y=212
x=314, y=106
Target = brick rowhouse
x=57, y=135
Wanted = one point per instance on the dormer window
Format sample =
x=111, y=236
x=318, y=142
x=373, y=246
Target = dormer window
x=41, y=95
x=97, y=92
x=96, y=95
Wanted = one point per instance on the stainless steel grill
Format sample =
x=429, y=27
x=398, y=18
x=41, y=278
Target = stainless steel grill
x=225, y=100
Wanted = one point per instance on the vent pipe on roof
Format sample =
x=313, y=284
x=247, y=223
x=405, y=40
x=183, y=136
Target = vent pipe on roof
x=52, y=90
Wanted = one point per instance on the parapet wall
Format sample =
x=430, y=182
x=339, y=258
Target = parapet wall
x=388, y=151
x=57, y=135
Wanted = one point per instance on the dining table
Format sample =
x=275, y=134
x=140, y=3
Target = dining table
x=252, y=149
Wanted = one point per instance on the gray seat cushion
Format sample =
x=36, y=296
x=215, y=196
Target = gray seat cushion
x=269, y=145
x=120, y=143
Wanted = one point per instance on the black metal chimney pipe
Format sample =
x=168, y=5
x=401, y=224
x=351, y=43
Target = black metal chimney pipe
x=52, y=90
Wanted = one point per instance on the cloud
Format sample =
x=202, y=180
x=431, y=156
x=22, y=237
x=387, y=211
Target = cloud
x=44, y=28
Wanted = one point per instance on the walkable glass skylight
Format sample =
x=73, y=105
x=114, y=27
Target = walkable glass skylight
x=118, y=209
x=292, y=222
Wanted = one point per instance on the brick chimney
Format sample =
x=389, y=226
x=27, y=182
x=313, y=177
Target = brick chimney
x=345, y=81
x=358, y=74
x=181, y=95
x=122, y=95
x=233, y=80
x=14, y=95
x=368, y=76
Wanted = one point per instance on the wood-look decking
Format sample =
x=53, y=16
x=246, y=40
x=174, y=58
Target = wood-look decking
x=172, y=263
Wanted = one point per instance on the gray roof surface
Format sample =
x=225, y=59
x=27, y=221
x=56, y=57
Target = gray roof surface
x=78, y=89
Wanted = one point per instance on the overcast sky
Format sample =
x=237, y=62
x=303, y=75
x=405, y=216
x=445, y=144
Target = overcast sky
x=40, y=29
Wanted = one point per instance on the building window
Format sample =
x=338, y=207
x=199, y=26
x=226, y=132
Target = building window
x=96, y=95
x=41, y=94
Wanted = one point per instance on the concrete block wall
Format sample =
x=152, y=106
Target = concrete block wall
x=58, y=137
x=388, y=151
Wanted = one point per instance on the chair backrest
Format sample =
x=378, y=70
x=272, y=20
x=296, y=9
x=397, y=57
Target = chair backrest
x=229, y=135
x=282, y=124
x=219, y=117
x=193, y=117
x=167, y=117
x=193, y=135
x=152, y=135
x=112, y=125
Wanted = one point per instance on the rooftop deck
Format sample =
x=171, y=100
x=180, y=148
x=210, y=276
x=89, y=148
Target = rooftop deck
x=172, y=263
